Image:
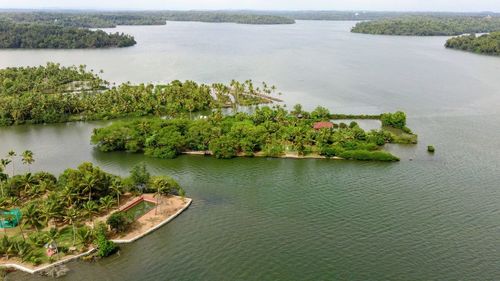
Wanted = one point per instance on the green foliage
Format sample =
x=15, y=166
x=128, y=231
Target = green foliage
x=429, y=25
x=140, y=175
x=431, y=149
x=364, y=155
x=51, y=93
x=118, y=222
x=396, y=120
x=268, y=131
x=49, y=36
x=487, y=44
x=105, y=247
x=164, y=185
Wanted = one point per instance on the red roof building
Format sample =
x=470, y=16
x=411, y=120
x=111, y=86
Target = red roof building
x=323, y=125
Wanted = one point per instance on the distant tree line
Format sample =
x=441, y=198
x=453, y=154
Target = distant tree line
x=429, y=25
x=112, y=19
x=40, y=36
x=488, y=44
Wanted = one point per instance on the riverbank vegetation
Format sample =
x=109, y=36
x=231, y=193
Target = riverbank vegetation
x=52, y=93
x=429, y=25
x=63, y=215
x=487, y=44
x=270, y=132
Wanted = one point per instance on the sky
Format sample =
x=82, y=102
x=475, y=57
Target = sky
x=376, y=5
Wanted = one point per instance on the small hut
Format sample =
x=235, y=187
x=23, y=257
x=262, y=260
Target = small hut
x=322, y=125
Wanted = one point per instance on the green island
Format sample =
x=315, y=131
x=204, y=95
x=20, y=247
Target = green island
x=52, y=93
x=429, y=25
x=487, y=44
x=45, y=36
x=82, y=212
x=267, y=132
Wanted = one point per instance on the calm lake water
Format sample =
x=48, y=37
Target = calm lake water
x=424, y=218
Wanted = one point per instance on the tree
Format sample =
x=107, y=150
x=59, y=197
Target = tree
x=70, y=217
x=116, y=188
x=33, y=216
x=27, y=158
x=107, y=202
x=11, y=155
x=91, y=208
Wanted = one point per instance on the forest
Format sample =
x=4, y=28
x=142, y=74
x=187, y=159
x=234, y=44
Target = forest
x=429, y=25
x=487, y=44
x=268, y=132
x=112, y=19
x=61, y=210
x=53, y=93
x=43, y=36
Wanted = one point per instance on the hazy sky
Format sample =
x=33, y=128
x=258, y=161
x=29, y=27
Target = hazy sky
x=400, y=5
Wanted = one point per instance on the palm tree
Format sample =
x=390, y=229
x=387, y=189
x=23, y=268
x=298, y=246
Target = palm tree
x=70, y=217
x=11, y=154
x=107, y=202
x=68, y=194
x=33, y=216
x=53, y=235
x=87, y=184
x=28, y=159
x=117, y=189
x=91, y=209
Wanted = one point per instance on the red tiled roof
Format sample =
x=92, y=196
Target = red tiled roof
x=321, y=125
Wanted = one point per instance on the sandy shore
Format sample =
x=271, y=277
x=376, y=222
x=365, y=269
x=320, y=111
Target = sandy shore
x=288, y=155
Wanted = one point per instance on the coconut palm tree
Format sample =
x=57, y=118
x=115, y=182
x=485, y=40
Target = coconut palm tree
x=91, y=208
x=87, y=184
x=116, y=187
x=33, y=216
x=107, y=202
x=27, y=159
x=10, y=155
x=70, y=217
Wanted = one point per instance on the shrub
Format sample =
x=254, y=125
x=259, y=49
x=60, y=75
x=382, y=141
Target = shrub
x=431, y=149
x=105, y=247
x=118, y=222
x=364, y=155
x=396, y=120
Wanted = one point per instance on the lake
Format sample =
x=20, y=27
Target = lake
x=424, y=218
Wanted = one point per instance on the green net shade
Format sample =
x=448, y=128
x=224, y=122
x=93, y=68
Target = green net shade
x=10, y=219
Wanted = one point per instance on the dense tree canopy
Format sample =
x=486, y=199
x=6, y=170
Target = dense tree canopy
x=52, y=93
x=488, y=44
x=266, y=132
x=429, y=25
x=43, y=36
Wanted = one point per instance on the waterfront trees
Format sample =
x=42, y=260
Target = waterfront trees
x=51, y=93
x=429, y=25
x=487, y=44
x=272, y=130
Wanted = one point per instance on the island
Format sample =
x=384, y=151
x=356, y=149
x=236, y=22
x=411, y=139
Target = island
x=486, y=44
x=53, y=93
x=47, y=36
x=267, y=132
x=83, y=213
x=429, y=25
